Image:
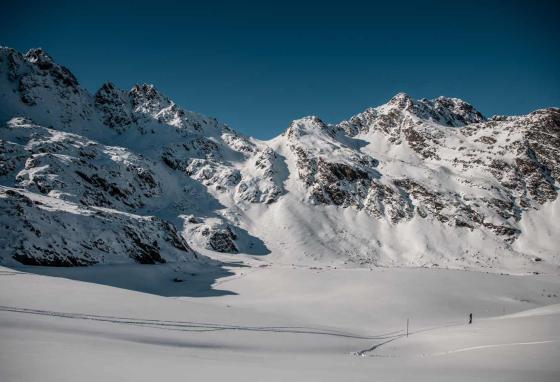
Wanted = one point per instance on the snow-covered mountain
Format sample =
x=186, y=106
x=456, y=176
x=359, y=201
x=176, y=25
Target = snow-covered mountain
x=121, y=176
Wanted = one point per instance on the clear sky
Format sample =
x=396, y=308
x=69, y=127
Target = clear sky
x=258, y=65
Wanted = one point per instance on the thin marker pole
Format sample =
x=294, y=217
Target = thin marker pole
x=407, y=327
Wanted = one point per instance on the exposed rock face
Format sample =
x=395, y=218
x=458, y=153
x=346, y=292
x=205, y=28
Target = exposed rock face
x=73, y=168
x=51, y=145
x=41, y=230
x=401, y=111
x=212, y=234
x=35, y=79
x=342, y=176
x=115, y=106
x=520, y=153
x=122, y=156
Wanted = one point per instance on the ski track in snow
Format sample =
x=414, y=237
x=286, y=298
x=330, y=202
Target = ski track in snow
x=448, y=352
x=491, y=346
x=191, y=326
x=364, y=353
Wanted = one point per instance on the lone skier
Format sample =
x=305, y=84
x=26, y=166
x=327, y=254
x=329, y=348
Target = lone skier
x=470, y=318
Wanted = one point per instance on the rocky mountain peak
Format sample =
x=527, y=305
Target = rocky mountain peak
x=106, y=92
x=307, y=125
x=107, y=87
x=40, y=57
x=401, y=100
x=115, y=106
x=403, y=112
x=146, y=90
x=148, y=94
x=451, y=111
x=446, y=111
x=44, y=62
x=146, y=99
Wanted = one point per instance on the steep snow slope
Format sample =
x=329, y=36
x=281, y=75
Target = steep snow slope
x=411, y=182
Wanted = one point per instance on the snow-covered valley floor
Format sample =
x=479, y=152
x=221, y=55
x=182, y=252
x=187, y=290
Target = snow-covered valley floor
x=274, y=322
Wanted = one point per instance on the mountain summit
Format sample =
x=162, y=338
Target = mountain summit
x=130, y=176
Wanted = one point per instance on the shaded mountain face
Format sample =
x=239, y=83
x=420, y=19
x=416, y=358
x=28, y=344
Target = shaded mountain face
x=409, y=183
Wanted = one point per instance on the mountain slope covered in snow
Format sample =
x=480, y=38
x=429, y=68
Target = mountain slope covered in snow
x=137, y=178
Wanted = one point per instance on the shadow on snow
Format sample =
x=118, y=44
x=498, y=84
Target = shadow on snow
x=168, y=280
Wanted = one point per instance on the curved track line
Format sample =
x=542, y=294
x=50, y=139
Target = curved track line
x=491, y=346
x=364, y=353
x=190, y=325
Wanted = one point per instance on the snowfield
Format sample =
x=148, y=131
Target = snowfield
x=141, y=241
x=278, y=322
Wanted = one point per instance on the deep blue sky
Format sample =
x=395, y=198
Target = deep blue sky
x=258, y=65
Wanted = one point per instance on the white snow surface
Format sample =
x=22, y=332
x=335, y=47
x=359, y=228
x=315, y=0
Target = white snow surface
x=283, y=322
x=141, y=241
